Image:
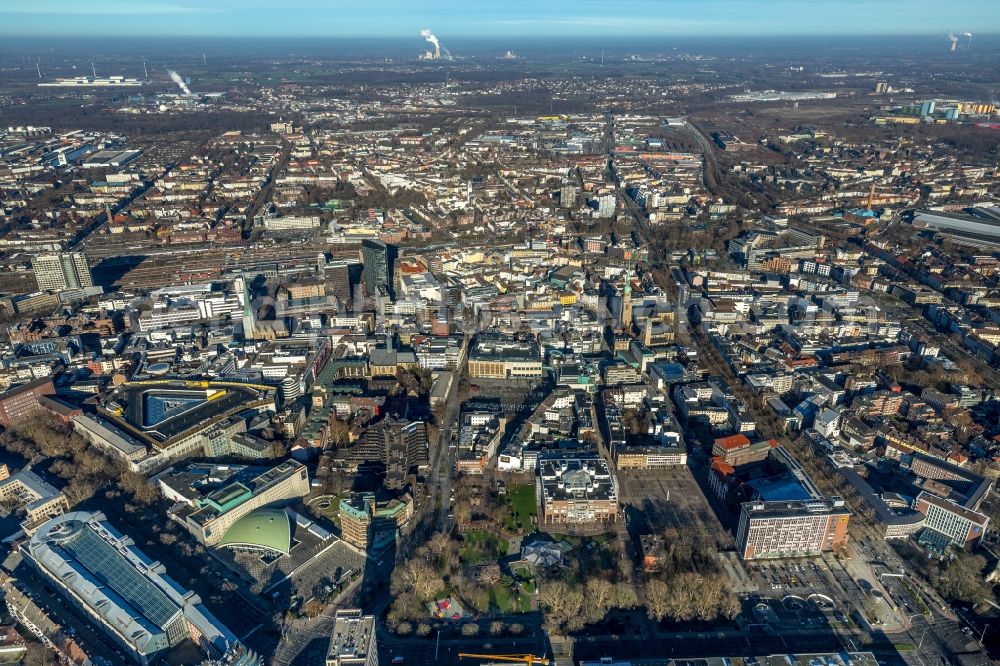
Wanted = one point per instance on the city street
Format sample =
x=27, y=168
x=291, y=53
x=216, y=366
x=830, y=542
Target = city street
x=301, y=638
x=61, y=611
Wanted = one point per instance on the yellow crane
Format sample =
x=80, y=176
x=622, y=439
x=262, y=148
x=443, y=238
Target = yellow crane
x=528, y=659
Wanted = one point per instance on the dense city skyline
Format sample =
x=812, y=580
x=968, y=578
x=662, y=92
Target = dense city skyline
x=584, y=333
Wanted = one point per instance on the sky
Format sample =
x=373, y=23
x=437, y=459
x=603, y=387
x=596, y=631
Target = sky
x=493, y=18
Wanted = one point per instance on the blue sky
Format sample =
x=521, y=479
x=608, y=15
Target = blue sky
x=505, y=18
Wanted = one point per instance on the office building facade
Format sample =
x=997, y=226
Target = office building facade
x=209, y=516
x=577, y=490
x=960, y=526
x=401, y=445
x=66, y=270
x=28, y=492
x=377, y=257
x=368, y=524
x=21, y=402
x=502, y=357
x=738, y=450
x=353, y=641
x=791, y=529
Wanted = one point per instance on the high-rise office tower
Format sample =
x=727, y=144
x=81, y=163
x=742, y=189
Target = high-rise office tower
x=341, y=277
x=378, y=265
x=400, y=445
x=66, y=270
x=607, y=204
x=627, y=302
x=567, y=196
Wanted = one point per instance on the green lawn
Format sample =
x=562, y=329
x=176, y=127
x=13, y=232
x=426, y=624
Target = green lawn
x=504, y=599
x=528, y=585
x=481, y=547
x=522, y=507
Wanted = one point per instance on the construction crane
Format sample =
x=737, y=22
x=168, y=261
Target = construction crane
x=528, y=659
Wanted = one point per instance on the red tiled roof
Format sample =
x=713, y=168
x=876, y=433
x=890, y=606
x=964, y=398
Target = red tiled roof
x=733, y=441
x=722, y=467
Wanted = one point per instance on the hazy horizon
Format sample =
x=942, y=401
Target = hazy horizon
x=509, y=19
x=568, y=46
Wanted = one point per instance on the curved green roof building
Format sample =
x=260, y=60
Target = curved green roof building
x=267, y=529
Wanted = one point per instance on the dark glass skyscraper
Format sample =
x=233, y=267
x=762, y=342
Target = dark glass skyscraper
x=378, y=258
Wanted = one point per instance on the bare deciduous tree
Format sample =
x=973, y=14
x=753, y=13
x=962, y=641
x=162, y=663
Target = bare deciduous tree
x=417, y=576
x=439, y=544
x=657, y=599
x=462, y=512
x=489, y=575
x=563, y=604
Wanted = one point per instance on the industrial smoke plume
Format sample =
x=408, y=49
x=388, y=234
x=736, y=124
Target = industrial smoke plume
x=176, y=78
x=429, y=36
x=954, y=39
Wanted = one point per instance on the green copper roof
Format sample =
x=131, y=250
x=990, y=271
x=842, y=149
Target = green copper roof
x=228, y=497
x=263, y=528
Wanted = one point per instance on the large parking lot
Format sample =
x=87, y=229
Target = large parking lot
x=792, y=576
x=820, y=579
x=668, y=498
x=798, y=594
